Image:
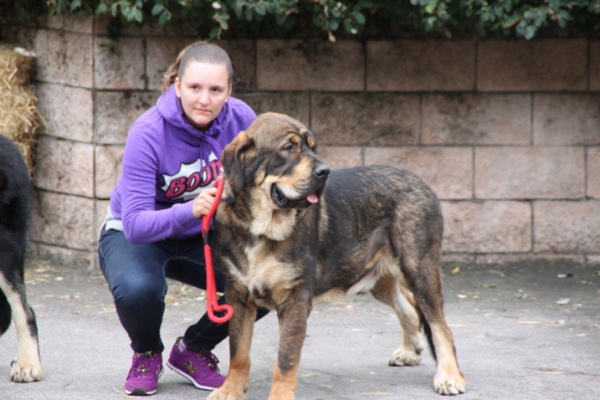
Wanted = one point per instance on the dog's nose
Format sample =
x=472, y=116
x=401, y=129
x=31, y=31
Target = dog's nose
x=321, y=171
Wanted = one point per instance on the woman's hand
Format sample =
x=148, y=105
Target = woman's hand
x=204, y=202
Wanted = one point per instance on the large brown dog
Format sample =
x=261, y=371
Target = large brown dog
x=287, y=240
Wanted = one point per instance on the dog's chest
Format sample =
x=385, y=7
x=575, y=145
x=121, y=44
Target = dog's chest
x=267, y=278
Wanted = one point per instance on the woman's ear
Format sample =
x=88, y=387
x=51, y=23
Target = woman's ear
x=177, y=84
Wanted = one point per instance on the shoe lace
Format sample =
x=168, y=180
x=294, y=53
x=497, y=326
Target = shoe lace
x=142, y=363
x=211, y=360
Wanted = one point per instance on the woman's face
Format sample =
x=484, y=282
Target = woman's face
x=203, y=89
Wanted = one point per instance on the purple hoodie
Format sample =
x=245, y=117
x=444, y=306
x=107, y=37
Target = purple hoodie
x=167, y=163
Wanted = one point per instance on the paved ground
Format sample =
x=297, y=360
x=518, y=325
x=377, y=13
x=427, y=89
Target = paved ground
x=527, y=331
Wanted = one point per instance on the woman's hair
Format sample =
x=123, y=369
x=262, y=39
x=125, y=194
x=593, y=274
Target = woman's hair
x=201, y=52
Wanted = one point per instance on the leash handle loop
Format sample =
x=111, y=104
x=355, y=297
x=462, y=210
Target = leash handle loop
x=212, y=304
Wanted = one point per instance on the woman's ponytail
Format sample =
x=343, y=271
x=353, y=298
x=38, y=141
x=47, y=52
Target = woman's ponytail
x=171, y=73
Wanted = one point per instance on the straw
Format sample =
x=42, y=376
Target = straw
x=19, y=116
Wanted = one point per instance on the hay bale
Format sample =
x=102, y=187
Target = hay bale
x=19, y=117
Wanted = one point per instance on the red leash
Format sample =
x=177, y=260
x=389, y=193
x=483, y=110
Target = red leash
x=212, y=305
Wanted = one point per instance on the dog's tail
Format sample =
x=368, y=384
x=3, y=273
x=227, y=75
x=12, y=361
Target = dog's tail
x=5, y=313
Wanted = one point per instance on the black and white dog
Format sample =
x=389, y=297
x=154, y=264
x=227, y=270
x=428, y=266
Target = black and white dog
x=15, y=213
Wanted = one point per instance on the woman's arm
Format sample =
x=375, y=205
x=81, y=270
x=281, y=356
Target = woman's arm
x=142, y=223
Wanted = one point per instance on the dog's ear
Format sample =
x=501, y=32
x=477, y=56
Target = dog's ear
x=311, y=140
x=232, y=162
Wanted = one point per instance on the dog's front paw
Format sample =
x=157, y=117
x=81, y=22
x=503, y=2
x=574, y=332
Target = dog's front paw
x=281, y=395
x=404, y=357
x=447, y=384
x=25, y=371
x=225, y=393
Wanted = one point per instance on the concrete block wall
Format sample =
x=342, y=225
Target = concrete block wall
x=506, y=133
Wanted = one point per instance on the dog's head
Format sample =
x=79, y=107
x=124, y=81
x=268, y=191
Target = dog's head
x=276, y=155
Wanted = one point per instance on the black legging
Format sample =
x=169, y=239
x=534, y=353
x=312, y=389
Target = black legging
x=136, y=276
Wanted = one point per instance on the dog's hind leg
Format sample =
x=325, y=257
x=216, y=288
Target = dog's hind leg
x=5, y=313
x=391, y=292
x=26, y=367
x=425, y=282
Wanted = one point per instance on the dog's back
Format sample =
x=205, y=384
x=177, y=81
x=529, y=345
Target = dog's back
x=372, y=217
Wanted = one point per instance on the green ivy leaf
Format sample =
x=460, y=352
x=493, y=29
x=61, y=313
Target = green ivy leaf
x=163, y=18
x=137, y=15
x=75, y=5
x=215, y=33
x=360, y=18
x=157, y=9
x=260, y=9
x=101, y=9
x=248, y=14
x=114, y=8
x=530, y=32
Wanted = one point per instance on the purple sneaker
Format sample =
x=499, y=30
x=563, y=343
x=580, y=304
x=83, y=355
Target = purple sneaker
x=199, y=367
x=143, y=376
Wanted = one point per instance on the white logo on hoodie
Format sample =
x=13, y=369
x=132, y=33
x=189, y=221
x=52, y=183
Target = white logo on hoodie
x=191, y=178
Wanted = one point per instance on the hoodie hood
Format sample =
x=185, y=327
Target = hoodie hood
x=169, y=106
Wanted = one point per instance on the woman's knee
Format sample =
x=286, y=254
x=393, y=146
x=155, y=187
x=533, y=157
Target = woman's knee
x=139, y=289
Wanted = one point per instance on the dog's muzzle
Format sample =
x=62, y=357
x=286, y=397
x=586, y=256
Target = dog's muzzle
x=319, y=178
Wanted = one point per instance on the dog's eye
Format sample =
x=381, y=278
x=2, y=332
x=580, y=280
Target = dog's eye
x=289, y=147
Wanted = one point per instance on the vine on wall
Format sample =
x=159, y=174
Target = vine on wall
x=335, y=18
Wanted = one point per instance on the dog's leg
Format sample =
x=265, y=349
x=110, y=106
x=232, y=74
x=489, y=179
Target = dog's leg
x=26, y=367
x=5, y=313
x=293, y=316
x=448, y=378
x=392, y=293
x=241, y=327
x=427, y=289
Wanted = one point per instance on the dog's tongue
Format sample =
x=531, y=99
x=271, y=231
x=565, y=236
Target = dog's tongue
x=313, y=198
